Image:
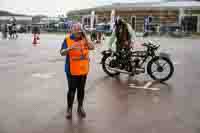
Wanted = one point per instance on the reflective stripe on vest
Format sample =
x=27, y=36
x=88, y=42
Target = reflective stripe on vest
x=79, y=58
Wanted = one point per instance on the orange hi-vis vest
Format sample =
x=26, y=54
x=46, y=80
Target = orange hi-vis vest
x=79, y=58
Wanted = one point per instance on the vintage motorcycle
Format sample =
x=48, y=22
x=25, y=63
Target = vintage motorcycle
x=158, y=66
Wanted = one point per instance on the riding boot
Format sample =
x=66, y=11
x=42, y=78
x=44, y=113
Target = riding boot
x=81, y=112
x=69, y=113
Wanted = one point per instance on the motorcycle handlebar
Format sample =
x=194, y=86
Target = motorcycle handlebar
x=150, y=45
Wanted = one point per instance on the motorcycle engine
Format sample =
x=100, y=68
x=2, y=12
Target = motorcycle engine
x=136, y=62
x=113, y=64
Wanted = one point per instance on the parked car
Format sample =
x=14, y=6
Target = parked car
x=151, y=30
x=36, y=30
x=87, y=28
x=103, y=28
x=174, y=30
x=22, y=30
x=99, y=30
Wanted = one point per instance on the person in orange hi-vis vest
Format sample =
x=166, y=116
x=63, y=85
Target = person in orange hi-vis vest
x=76, y=48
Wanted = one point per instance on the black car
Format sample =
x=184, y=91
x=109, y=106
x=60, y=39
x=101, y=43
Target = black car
x=103, y=28
x=174, y=30
x=100, y=29
x=22, y=30
x=36, y=30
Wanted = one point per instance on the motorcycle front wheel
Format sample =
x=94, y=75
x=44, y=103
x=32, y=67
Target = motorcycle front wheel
x=160, y=68
x=107, y=63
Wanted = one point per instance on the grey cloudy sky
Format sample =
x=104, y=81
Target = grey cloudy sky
x=53, y=7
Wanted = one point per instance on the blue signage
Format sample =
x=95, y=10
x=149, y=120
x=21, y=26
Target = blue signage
x=146, y=23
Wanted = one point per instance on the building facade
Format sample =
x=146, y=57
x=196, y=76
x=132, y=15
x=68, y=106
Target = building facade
x=24, y=20
x=135, y=13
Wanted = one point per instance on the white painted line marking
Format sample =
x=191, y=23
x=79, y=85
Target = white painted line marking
x=43, y=76
x=131, y=85
x=153, y=89
x=176, y=63
x=137, y=87
x=145, y=87
x=148, y=84
x=141, y=87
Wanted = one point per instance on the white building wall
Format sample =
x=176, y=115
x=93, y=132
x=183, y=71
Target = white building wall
x=16, y=17
x=198, y=24
x=181, y=14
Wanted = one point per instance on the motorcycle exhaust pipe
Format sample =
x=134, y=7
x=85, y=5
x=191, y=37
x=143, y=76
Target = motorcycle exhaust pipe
x=120, y=71
x=139, y=70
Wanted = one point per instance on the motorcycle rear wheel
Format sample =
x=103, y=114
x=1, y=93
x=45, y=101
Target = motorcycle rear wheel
x=106, y=66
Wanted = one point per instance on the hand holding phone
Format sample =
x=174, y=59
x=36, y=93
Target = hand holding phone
x=75, y=46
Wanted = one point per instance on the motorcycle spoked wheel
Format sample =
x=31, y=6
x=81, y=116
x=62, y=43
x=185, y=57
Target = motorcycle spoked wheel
x=107, y=62
x=160, y=68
